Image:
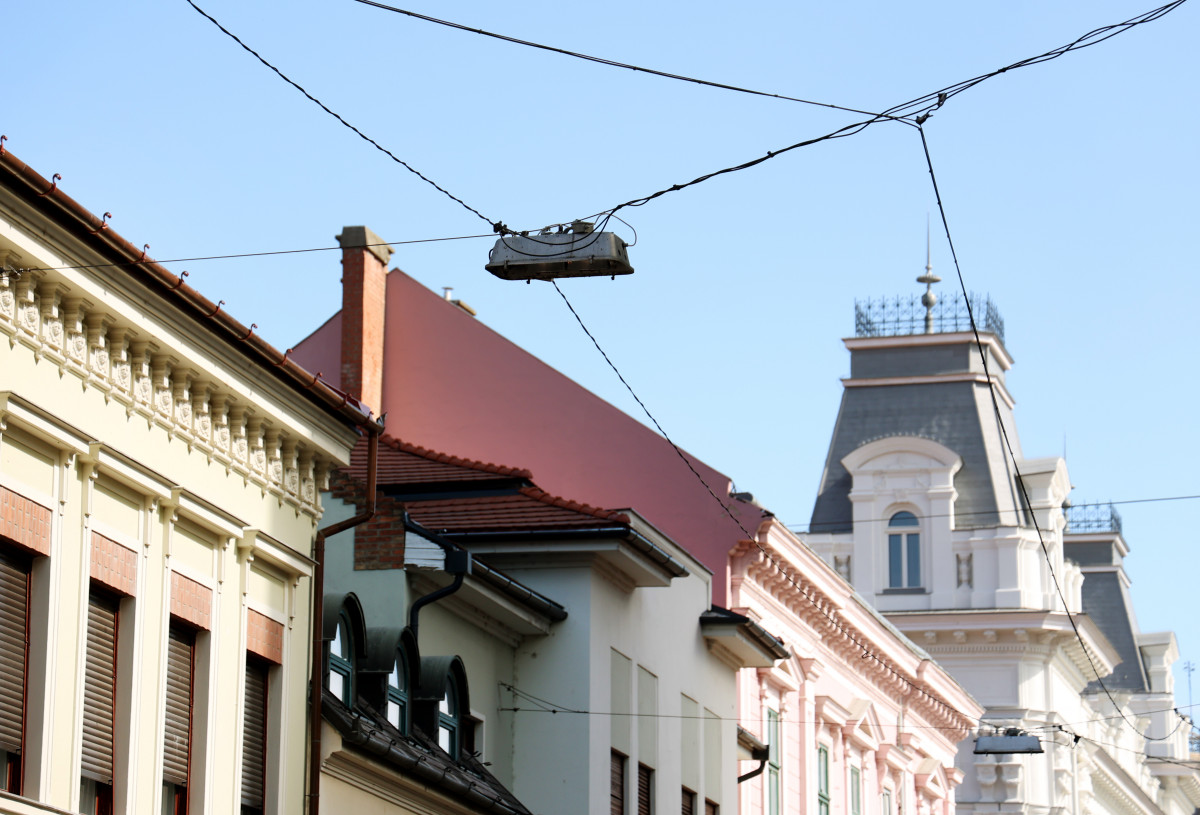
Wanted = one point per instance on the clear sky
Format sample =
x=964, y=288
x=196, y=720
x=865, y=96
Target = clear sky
x=1070, y=189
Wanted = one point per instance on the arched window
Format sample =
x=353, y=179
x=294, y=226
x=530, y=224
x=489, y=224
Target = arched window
x=341, y=655
x=904, y=551
x=448, y=720
x=397, y=693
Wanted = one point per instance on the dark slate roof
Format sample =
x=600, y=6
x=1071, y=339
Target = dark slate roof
x=465, y=781
x=1106, y=600
x=945, y=412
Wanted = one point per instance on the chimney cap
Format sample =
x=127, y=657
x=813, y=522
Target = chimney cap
x=361, y=237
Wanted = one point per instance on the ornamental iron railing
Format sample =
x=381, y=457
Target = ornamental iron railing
x=900, y=316
x=1093, y=518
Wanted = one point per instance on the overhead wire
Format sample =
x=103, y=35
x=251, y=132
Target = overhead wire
x=497, y=226
x=609, y=62
x=234, y=255
x=1026, y=504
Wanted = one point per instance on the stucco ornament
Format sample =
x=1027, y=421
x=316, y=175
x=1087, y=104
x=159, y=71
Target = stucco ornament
x=7, y=302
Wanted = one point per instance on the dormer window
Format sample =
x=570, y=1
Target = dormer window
x=397, y=693
x=904, y=551
x=448, y=721
x=341, y=655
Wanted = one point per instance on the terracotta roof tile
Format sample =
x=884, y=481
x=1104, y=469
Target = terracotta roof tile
x=529, y=509
x=403, y=463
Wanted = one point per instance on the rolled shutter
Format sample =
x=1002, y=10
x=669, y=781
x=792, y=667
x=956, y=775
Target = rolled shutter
x=14, y=628
x=616, y=785
x=643, y=792
x=99, y=689
x=688, y=803
x=254, y=736
x=177, y=737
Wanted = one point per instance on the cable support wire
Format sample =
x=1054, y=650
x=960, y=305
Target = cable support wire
x=801, y=529
x=916, y=112
x=609, y=62
x=146, y=261
x=1025, y=504
x=496, y=225
x=546, y=706
x=829, y=616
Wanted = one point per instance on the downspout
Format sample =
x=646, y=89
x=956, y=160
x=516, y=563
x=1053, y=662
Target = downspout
x=457, y=563
x=318, y=643
x=762, y=765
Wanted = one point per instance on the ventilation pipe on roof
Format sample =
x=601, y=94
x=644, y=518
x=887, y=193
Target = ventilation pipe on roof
x=317, y=680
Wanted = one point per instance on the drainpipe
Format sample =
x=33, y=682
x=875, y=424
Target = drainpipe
x=762, y=765
x=318, y=643
x=457, y=563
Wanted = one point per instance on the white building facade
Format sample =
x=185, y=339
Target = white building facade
x=921, y=508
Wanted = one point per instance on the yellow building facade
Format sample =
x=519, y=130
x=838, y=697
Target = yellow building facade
x=160, y=469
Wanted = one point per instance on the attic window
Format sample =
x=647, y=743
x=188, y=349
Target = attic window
x=341, y=670
x=449, y=725
x=397, y=693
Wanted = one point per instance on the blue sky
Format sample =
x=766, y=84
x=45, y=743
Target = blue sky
x=1070, y=189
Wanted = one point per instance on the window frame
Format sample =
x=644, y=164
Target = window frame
x=13, y=769
x=341, y=664
x=774, y=762
x=855, y=791
x=822, y=780
x=399, y=695
x=903, y=552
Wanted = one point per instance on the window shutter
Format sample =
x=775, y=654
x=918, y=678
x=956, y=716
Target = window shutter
x=254, y=736
x=710, y=807
x=616, y=788
x=99, y=689
x=177, y=737
x=14, y=628
x=643, y=792
x=688, y=804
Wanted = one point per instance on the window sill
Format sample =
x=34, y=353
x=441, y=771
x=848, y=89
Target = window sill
x=914, y=590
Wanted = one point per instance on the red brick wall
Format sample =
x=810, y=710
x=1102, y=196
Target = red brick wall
x=379, y=543
x=114, y=565
x=364, y=289
x=264, y=637
x=24, y=522
x=191, y=601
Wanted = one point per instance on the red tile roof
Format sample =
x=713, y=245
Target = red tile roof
x=530, y=509
x=402, y=463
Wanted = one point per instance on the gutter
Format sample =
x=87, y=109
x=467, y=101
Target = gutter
x=639, y=542
x=42, y=196
x=316, y=680
x=359, y=732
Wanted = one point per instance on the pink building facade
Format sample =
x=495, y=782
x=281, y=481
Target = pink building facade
x=859, y=720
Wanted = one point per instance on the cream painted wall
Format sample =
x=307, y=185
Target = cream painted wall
x=125, y=417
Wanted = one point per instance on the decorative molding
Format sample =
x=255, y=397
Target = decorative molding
x=90, y=344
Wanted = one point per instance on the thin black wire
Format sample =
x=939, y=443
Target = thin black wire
x=802, y=530
x=921, y=108
x=233, y=256
x=546, y=706
x=1012, y=457
x=609, y=62
x=867, y=653
x=496, y=225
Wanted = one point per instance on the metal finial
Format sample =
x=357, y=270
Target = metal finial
x=928, y=299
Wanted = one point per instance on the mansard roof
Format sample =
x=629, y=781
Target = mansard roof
x=926, y=387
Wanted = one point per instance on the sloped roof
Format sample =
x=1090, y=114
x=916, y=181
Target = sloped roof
x=402, y=463
x=529, y=509
x=500, y=403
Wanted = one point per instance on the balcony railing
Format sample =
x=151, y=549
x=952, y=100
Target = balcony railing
x=1093, y=518
x=900, y=316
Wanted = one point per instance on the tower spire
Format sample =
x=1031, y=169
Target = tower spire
x=928, y=299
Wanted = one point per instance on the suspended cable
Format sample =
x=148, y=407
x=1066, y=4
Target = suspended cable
x=609, y=62
x=1026, y=505
x=496, y=225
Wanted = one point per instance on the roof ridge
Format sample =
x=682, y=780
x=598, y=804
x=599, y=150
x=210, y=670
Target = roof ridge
x=539, y=494
x=447, y=458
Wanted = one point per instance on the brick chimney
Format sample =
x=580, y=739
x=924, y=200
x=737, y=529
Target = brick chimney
x=364, y=286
